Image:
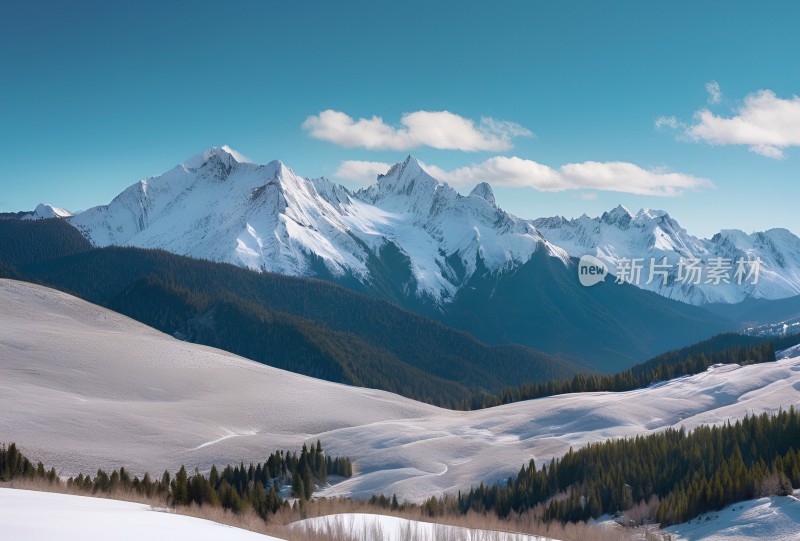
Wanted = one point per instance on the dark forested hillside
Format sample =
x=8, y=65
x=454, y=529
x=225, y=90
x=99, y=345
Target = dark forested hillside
x=541, y=304
x=23, y=242
x=306, y=326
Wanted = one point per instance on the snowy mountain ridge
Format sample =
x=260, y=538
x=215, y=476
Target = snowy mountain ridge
x=219, y=206
x=267, y=218
x=620, y=235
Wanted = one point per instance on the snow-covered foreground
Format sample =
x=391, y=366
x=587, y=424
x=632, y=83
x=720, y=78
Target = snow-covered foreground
x=367, y=527
x=768, y=519
x=82, y=388
x=27, y=515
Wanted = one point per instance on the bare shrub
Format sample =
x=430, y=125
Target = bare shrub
x=642, y=513
x=775, y=484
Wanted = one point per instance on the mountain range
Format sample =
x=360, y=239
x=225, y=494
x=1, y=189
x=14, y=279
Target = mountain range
x=420, y=244
x=408, y=237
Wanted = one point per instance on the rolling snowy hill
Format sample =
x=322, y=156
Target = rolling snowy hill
x=82, y=387
x=369, y=527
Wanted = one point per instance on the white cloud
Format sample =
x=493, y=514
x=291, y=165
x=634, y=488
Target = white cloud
x=765, y=123
x=520, y=173
x=714, y=92
x=768, y=151
x=608, y=176
x=436, y=129
x=360, y=171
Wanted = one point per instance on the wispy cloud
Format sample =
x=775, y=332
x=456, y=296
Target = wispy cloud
x=714, y=92
x=435, y=129
x=667, y=122
x=521, y=173
x=765, y=123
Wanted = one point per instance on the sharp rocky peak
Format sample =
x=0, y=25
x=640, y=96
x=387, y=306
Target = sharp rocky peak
x=224, y=154
x=404, y=176
x=619, y=216
x=484, y=191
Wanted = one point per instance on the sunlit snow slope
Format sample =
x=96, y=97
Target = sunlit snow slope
x=82, y=388
x=776, y=518
x=26, y=515
x=365, y=526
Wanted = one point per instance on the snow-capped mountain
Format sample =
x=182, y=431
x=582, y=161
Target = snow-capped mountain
x=218, y=206
x=44, y=211
x=619, y=235
x=408, y=233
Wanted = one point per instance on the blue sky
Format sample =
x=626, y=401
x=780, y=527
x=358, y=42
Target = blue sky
x=96, y=95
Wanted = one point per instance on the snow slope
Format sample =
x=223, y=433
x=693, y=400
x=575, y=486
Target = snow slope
x=776, y=518
x=82, y=387
x=385, y=528
x=27, y=515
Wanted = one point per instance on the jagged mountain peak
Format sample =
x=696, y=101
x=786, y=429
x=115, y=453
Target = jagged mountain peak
x=224, y=154
x=409, y=167
x=619, y=216
x=484, y=191
x=652, y=214
x=406, y=176
x=655, y=218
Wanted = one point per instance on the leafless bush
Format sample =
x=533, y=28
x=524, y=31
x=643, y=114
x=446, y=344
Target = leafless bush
x=642, y=513
x=775, y=484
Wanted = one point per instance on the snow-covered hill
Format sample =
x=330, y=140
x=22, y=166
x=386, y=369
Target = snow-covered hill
x=369, y=527
x=82, y=387
x=265, y=217
x=27, y=515
x=618, y=235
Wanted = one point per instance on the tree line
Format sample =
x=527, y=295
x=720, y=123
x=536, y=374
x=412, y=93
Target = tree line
x=236, y=488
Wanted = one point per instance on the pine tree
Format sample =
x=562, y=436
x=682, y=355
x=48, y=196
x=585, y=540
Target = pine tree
x=180, y=488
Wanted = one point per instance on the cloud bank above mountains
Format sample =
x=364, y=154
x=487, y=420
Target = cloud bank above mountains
x=764, y=122
x=436, y=129
x=521, y=173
